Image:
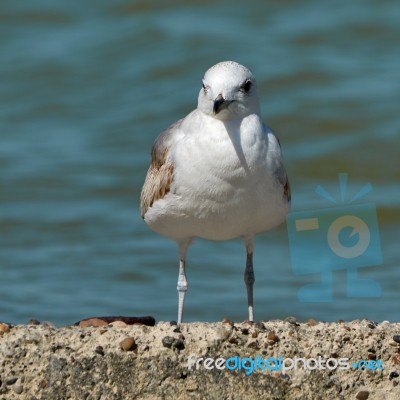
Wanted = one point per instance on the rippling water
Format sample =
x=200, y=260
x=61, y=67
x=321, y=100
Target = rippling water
x=86, y=88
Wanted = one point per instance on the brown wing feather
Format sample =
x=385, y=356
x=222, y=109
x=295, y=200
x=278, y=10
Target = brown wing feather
x=160, y=173
x=283, y=178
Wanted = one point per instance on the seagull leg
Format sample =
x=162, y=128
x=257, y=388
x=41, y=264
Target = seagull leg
x=249, y=276
x=182, y=285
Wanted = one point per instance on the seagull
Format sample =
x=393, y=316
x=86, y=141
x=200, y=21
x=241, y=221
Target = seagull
x=217, y=173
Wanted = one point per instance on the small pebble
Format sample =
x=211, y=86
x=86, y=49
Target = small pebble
x=172, y=323
x=272, y=336
x=178, y=344
x=291, y=320
x=259, y=325
x=362, y=395
x=4, y=328
x=167, y=341
x=33, y=322
x=393, y=374
x=99, y=350
x=18, y=389
x=49, y=324
x=312, y=322
x=177, y=330
x=11, y=381
x=228, y=321
x=92, y=322
x=118, y=324
x=128, y=344
x=396, y=338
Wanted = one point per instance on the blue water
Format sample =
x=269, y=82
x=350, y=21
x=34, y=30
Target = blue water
x=86, y=87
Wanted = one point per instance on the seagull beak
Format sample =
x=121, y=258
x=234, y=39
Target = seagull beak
x=220, y=103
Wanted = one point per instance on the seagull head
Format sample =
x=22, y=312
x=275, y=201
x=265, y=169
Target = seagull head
x=229, y=91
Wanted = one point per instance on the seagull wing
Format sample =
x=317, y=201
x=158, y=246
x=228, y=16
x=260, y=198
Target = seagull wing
x=281, y=172
x=161, y=169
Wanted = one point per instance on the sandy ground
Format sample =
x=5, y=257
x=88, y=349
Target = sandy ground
x=268, y=360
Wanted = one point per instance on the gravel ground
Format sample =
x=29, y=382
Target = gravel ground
x=104, y=361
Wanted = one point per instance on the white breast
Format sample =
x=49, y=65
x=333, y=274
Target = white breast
x=225, y=182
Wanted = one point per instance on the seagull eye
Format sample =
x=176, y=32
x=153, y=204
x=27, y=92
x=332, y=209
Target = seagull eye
x=246, y=86
x=204, y=86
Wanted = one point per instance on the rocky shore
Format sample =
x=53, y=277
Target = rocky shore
x=104, y=360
